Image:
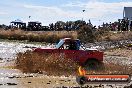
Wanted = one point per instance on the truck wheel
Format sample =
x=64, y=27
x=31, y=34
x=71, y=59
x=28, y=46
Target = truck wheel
x=93, y=65
x=80, y=80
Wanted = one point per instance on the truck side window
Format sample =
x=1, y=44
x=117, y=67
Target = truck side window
x=73, y=46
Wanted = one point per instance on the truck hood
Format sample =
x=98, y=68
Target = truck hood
x=91, y=49
x=48, y=47
x=44, y=48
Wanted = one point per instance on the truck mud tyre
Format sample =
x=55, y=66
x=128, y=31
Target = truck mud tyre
x=81, y=80
x=94, y=65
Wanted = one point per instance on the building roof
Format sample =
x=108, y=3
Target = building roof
x=128, y=7
x=34, y=22
x=17, y=21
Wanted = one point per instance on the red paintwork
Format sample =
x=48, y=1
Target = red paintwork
x=80, y=56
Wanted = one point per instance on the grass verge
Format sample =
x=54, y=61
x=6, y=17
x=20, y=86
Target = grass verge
x=37, y=36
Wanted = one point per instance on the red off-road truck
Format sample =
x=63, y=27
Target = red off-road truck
x=90, y=58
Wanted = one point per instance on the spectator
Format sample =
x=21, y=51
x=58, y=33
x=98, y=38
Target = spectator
x=131, y=25
x=119, y=25
x=127, y=24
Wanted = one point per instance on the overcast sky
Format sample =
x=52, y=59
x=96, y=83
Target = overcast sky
x=48, y=11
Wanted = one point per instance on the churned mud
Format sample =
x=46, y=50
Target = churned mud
x=10, y=77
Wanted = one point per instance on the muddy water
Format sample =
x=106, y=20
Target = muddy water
x=13, y=78
x=4, y=77
x=8, y=50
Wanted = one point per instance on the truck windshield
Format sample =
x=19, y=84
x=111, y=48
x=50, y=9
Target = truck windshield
x=60, y=44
